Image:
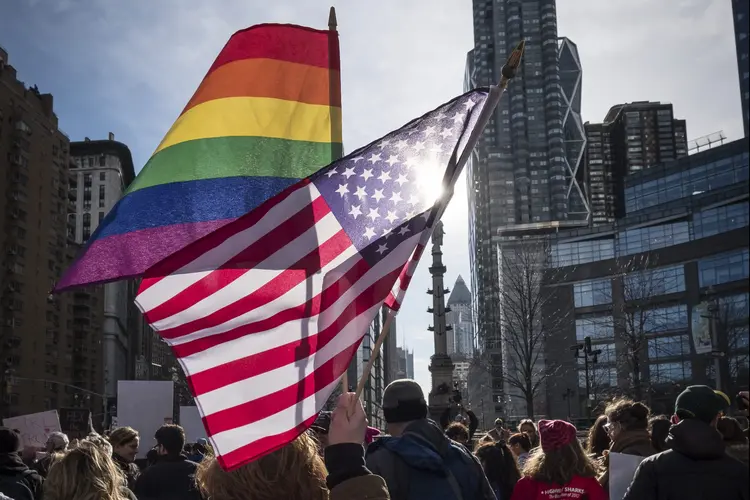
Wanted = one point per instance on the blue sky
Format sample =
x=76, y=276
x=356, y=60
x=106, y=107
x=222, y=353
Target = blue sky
x=129, y=67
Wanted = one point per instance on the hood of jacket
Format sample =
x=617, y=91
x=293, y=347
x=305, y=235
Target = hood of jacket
x=12, y=462
x=422, y=445
x=634, y=442
x=697, y=440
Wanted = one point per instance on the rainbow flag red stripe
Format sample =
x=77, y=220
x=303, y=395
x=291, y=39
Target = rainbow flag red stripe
x=267, y=114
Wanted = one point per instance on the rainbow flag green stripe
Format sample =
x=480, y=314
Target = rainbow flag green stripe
x=233, y=157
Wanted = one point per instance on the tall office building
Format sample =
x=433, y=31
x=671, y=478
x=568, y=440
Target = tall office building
x=521, y=181
x=102, y=171
x=633, y=137
x=49, y=357
x=741, y=14
x=461, y=337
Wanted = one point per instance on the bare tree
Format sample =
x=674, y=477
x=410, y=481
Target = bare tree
x=733, y=333
x=636, y=319
x=523, y=325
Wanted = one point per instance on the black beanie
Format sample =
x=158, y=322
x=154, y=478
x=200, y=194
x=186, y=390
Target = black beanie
x=10, y=440
x=403, y=401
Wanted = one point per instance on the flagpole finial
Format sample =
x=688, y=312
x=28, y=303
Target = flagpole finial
x=511, y=65
x=332, y=24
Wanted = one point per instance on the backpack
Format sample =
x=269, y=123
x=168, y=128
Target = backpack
x=15, y=487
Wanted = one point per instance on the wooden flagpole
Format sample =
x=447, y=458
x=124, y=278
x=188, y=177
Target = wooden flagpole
x=496, y=92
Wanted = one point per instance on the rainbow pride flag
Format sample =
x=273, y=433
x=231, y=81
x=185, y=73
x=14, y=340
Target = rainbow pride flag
x=267, y=114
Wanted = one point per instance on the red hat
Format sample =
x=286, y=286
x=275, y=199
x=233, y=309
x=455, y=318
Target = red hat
x=555, y=434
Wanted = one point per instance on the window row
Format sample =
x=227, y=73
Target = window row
x=644, y=239
x=592, y=292
x=581, y=252
x=720, y=220
x=724, y=268
x=650, y=283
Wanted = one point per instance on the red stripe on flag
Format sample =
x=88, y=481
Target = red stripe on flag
x=270, y=291
x=185, y=256
x=276, y=357
x=243, y=262
x=255, y=449
x=271, y=404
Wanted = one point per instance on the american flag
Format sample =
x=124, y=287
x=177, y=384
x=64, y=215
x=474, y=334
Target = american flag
x=265, y=314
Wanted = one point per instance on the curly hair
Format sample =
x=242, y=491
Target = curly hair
x=122, y=435
x=85, y=472
x=598, y=440
x=499, y=466
x=559, y=466
x=457, y=432
x=628, y=413
x=294, y=471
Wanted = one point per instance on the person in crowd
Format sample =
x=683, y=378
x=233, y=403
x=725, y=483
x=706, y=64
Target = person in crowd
x=734, y=439
x=459, y=433
x=57, y=442
x=558, y=466
x=627, y=427
x=598, y=440
x=658, y=429
x=200, y=448
x=499, y=432
x=16, y=479
x=527, y=426
x=417, y=460
x=320, y=428
x=370, y=434
x=696, y=467
x=172, y=477
x=500, y=467
x=86, y=472
x=125, y=442
x=520, y=445
x=100, y=441
x=297, y=471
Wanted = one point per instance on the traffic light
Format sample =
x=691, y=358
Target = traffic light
x=587, y=344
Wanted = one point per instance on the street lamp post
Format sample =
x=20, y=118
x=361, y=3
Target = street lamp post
x=716, y=354
x=567, y=396
x=588, y=354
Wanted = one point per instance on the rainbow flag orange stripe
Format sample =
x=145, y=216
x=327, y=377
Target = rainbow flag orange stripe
x=267, y=114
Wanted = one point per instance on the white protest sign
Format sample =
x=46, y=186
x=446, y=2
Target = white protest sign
x=621, y=471
x=145, y=405
x=190, y=420
x=35, y=428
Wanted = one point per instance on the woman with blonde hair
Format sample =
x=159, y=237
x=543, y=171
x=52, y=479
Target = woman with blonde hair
x=558, y=465
x=297, y=470
x=125, y=442
x=85, y=473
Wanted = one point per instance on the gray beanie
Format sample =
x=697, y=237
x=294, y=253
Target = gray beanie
x=403, y=401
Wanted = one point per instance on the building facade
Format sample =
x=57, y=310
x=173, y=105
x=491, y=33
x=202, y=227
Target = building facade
x=49, y=357
x=405, y=363
x=461, y=337
x=741, y=14
x=662, y=293
x=633, y=137
x=102, y=171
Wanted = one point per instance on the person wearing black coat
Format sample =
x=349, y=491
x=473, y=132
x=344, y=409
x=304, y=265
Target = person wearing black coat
x=172, y=477
x=12, y=467
x=697, y=466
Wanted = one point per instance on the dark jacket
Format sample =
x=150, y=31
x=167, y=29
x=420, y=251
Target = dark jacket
x=348, y=478
x=695, y=468
x=128, y=469
x=423, y=463
x=170, y=478
x=740, y=451
x=12, y=465
x=633, y=442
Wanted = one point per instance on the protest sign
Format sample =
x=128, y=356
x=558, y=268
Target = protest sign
x=621, y=471
x=35, y=427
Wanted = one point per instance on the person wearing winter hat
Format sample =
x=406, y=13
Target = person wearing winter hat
x=558, y=467
x=16, y=479
x=417, y=460
x=697, y=466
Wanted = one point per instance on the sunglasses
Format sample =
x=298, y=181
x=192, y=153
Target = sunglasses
x=608, y=427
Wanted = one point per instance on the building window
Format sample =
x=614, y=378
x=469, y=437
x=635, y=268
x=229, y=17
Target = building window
x=660, y=281
x=581, y=252
x=592, y=293
x=644, y=239
x=668, y=347
x=664, y=319
x=101, y=195
x=100, y=218
x=720, y=220
x=667, y=373
x=102, y=175
x=724, y=268
x=87, y=178
x=596, y=327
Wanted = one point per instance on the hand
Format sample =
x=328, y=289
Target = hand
x=348, y=421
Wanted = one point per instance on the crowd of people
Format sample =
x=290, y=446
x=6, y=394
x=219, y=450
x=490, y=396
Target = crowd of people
x=697, y=453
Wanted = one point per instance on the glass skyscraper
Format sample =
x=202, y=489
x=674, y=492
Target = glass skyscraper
x=741, y=13
x=521, y=180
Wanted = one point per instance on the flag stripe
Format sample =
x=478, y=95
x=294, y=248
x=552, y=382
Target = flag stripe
x=259, y=319
x=270, y=403
x=295, y=227
x=224, y=244
x=233, y=158
x=289, y=81
x=256, y=116
x=284, y=42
